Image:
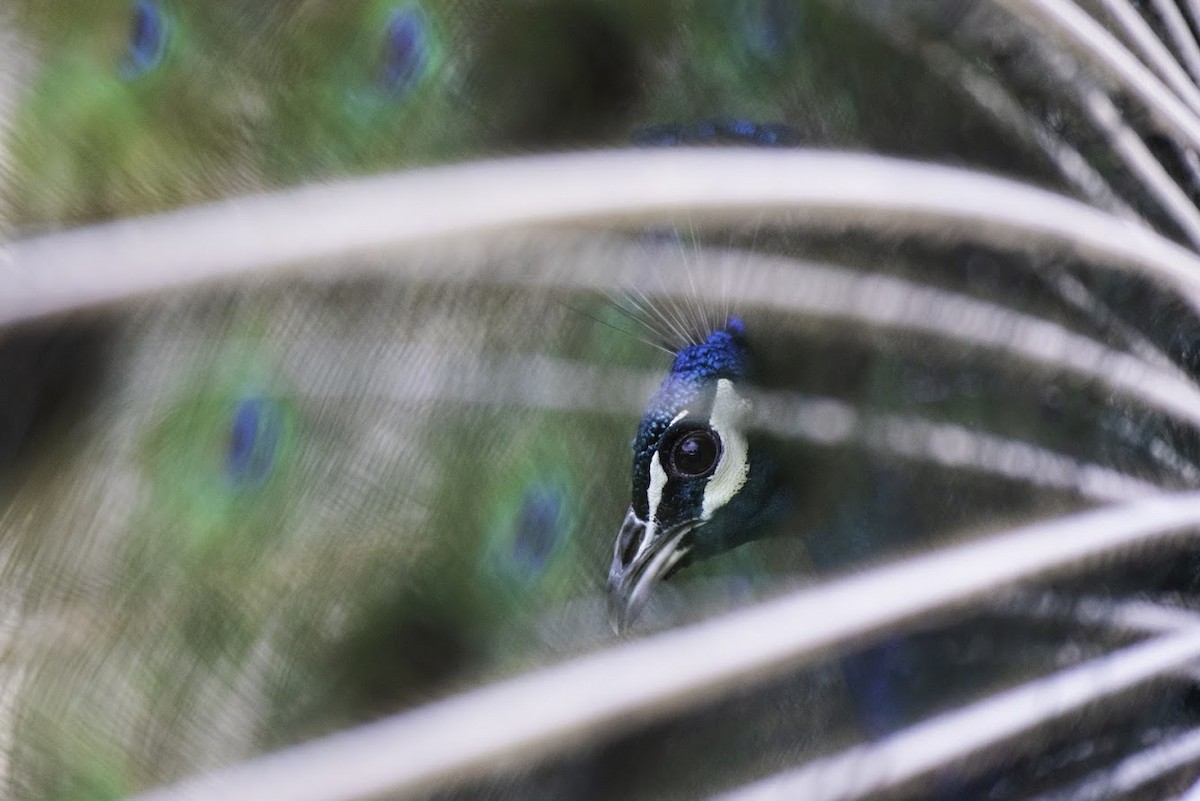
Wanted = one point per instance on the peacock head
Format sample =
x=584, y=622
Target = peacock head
x=700, y=486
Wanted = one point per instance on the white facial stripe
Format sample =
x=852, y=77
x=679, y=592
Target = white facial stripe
x=658, y=482
x=654, y=493
x=728, y=413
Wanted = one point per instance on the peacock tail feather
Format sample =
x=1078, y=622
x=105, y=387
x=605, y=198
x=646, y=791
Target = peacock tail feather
x=324, y=347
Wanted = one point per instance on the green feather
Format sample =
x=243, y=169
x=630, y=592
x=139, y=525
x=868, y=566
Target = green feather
x=90, y=140
x=366, y=85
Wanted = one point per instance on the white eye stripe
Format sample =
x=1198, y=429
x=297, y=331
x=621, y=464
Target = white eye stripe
x=728, y=413
x=654, y=493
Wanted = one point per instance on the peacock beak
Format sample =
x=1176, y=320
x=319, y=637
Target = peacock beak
x=642, y=556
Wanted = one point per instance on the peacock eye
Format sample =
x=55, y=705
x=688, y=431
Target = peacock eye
x=253, y=440
x=147, y=39
x=695, y=454
x=539, y=525
x=770, y=25
x=405, y=50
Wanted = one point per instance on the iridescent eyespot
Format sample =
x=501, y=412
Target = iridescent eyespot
x=694, y=453
x=770, y=26
x=149, y=32
x=254, y=435
x=538, y=525
x=405, y=50
x=718, y=131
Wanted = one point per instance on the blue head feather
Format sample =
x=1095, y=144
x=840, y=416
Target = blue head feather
x=722, y=354
x=694, y=373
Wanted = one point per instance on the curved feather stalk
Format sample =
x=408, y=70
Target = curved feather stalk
x=685, y=666
x=58, y=272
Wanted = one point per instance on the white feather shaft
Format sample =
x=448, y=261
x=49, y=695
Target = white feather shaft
x=547, y=711
x=109, y=262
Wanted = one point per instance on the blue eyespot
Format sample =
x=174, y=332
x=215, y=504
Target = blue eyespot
x=147, y=39
x=538, y=529
x=876, y=677
x=705, y=131
x=405, y=50
x=254, y=435
x=657, y=136
x=718, y=131
x=769, y=27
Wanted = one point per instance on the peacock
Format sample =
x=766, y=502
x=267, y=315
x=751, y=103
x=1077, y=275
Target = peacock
x=243, y=514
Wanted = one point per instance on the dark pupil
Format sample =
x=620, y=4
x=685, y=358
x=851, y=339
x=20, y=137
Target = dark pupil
x=695, y=453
